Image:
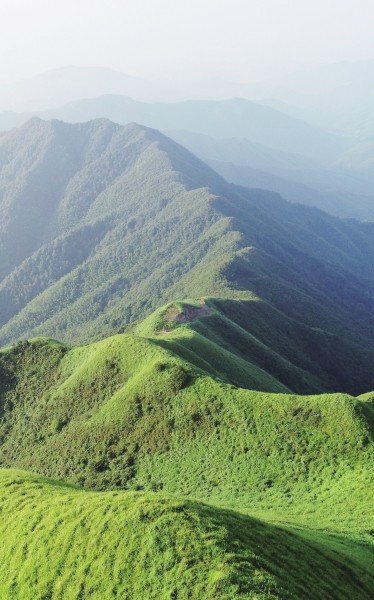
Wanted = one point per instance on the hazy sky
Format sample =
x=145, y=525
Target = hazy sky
x=188, y=39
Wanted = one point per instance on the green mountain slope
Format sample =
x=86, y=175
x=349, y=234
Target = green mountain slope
x=101, y=224
x=154, y=412
x=303, y=359
x=136, y=545
x=130, y=412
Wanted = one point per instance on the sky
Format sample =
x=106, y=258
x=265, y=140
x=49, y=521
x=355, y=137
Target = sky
x=242, y=40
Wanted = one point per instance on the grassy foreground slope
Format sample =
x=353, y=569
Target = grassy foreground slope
x=66, y=543
x=129, y=413
x=288, y=478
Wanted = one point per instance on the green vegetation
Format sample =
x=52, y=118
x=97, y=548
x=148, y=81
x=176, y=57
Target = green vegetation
x=129, y=413
x=136, y=545
x=115, y=221
x=148, y=412
x=200, y=402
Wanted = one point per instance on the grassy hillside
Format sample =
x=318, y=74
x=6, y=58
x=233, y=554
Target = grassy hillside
x=152, y=418
x=153, y=422
x=136, y=545
x=235, y=335
x=129, y=412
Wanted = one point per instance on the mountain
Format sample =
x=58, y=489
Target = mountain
x=68, y=84
x=202, y=469
x=101, y=224
x=222, y=119
x=359, y=123
x=241, y=132
x=334, y=96
x=336, y=202
x=134, y=414
x=340, y=189
x=359, y=158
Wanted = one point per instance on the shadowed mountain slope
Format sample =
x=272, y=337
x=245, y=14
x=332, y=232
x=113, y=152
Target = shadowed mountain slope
x=340, y=189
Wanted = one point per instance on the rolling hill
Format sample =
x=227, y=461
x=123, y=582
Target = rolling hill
x=139, y=545
x=101, y=224
x=194, y=549
x=150, y=410
x=145, y=419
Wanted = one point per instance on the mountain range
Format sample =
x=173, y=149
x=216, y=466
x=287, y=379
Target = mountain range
x=335, y=96
x=235, y=117
x=259, y=146
x=55, y=87
x=186, y=376
x=342, y=188
x=101, y=224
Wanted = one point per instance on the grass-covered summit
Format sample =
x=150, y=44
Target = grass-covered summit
x=204, y=489
x=159, y=412
x=101, y=224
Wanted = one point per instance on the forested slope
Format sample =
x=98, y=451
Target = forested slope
x=101, y=224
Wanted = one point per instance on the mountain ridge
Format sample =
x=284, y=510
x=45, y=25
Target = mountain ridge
x=203, y=426
x=129, y=219
x=235, y=117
